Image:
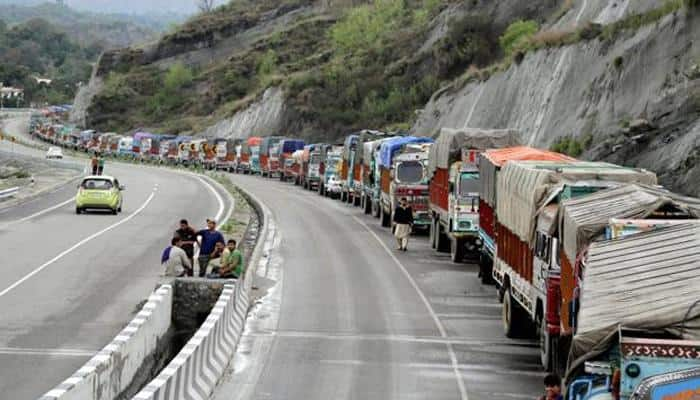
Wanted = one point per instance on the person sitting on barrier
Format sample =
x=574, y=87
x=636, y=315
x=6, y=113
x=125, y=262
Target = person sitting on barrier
x=216, y=258
x=231, y=263
x=174, y=259
x=209, y=238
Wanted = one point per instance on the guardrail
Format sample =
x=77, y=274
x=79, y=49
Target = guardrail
x=8, y=192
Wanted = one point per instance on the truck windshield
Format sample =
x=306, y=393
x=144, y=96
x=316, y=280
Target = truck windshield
x=409, y=172
x=332, y=165
x=468, y=184
x=315, y=159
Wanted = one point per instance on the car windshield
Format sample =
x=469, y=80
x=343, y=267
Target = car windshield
x=409, y=172
x=468, y=184
x=97, y=184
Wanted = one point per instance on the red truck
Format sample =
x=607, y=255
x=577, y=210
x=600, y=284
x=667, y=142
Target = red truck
x=287, y=147
x=269, y=162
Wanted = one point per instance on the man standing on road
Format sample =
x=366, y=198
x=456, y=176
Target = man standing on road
x=93, y=164
x=175, y=260
x=403, y=218
x=100, y=164
x=208, y=238
x=189, y=237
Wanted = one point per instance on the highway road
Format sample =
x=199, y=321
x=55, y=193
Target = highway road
x=70, y=283
x=352, y=318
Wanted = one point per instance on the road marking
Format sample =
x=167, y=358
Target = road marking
x=80, y=243
x=47, y=352
x=219, y=199
x=37, y=214
x=466, y=341
x=429, y=365
x=438, y=323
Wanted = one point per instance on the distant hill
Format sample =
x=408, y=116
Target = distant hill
x=86, y=28
x=140, y=7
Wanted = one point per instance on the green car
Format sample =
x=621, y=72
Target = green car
x=99, y=193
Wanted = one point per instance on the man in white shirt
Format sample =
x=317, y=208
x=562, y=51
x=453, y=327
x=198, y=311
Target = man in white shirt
x=176, y=262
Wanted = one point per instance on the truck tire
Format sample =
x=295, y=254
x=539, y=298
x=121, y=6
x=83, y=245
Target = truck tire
x=357, y=201
x=457, y=250
x=368, y=205
x=343, y=197
x=485, y=269
x=432, y=235
x=441, y=240
x=375, y=209
x=386, y=219
x=513, y=317
x=546, y=347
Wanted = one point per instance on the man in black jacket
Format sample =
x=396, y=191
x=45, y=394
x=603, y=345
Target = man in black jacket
x=403, y=218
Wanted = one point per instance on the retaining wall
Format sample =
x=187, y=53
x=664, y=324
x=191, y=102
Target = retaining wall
x=111, y=371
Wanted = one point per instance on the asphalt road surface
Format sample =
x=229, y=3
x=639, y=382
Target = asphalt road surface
x=352, y=318
x=70, y=283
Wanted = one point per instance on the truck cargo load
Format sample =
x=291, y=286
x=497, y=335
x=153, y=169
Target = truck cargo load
x=357, y=194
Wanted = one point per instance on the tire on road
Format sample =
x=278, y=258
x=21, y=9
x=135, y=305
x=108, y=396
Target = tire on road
x=384, y=217
x=457, y=250
x=513, y=317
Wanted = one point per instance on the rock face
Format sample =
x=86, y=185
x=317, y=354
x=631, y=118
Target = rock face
x=635, y=95
x=263, y=117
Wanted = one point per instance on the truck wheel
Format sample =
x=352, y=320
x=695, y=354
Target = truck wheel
x=457, y=250
x=432, y=235
x=546, y=347
x=441, y=239
x=343, y=196
x=513, y=317
x=485, y=269
x=357, y=201
x=386, y=219
x=368, y=205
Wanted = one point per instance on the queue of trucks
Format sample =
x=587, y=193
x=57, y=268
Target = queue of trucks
x=596, y=260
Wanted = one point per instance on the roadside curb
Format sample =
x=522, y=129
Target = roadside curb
x=195, y=372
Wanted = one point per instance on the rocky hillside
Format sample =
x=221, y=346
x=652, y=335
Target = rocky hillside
x=599, y=79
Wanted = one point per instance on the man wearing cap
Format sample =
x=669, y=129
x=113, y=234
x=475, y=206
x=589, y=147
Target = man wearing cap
x=208, y=238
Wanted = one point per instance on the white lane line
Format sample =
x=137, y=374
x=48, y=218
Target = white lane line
x=222, y=207
x=438, y=323
x=22, y=351
x=80, y=243
x=38, y=214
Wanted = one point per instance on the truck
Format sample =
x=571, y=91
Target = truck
x=330, y=184
x=454, y=187
x=638, y=319
x=286, y=148
x=297, y=161
x=356, y=191
x=226, y=154
x=490, y=164
x=141, y=141
x=310, y=174
x=249, y=160
x=346, y=167
x=208, y=155
x=269, y=163
x=403, y=173
x=371, y=190
x=527, y=269
x=125, y=149
x=613, y=213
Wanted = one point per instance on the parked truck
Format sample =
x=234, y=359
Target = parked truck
x=332, y=160
x=227, y=154
x=527, y=268
x=286, y=149
x=356, y=191
x=249, y=162
x=346, y=167
x=311, y=166
x=454, y=187
x=371, y=190
x=269, y=163
x=403, y=173
x=295, y=170
x=490, y=164
x=637, y=334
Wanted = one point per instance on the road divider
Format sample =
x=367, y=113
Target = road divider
x=6, y=193
x=196, y=370
x=111, y=371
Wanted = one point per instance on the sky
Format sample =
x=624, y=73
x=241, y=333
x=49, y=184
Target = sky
x=127, y=6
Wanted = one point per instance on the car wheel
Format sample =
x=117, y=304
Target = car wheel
x=115, y=211
x=78, y=210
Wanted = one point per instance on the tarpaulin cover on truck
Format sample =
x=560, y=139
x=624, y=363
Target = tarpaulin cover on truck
x=364, y=137
x=449, y=144
x=388, y=148
x=582, y=219
x=291, y=145
x=491, y=160
x=523, y=187
x=648, y=281
x=369, y=148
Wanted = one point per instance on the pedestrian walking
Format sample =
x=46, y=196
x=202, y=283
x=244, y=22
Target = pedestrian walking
x=189, y=237
x=403, y=218
x=552, y=388
x=93, y=164
x=100, y=164
x=174, y=259
x=208, y=238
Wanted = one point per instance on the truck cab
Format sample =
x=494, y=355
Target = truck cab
x=409, y=180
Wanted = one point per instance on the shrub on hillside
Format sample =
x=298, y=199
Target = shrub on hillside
x=517, y=34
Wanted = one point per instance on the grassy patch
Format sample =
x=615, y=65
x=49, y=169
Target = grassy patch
x=572, y=146
x=516, y=34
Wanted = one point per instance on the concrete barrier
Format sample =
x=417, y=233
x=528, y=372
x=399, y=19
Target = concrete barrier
x=195, y=371
x=111, y=371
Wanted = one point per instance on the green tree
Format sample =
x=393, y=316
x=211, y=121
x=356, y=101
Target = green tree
x=177, y=77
